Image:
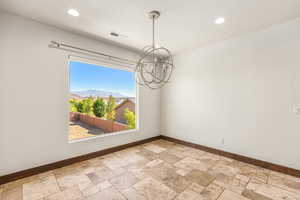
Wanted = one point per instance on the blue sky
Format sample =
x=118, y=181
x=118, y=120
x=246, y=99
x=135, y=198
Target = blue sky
x=92, y=77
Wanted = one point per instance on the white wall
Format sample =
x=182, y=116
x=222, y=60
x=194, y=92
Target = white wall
x=242, y=90
x=34, y=93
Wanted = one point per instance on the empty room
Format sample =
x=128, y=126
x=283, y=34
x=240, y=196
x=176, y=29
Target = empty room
x=149, y=100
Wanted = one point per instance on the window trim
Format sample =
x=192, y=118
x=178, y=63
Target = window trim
x=108, y=64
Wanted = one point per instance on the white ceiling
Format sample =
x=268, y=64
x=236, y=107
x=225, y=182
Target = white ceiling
x=182, y=25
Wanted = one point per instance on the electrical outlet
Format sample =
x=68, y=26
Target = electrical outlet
x=223, y=141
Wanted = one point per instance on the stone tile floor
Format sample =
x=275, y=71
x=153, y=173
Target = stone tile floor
x=159, y=170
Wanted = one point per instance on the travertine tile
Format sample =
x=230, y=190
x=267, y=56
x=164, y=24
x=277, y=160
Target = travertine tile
x=71, y=179
x=15, y=193
x=127, y=158
x=212, y=192
x=188, y=195
x=193, y=163
x=132, y=194
x=292, y=185
x=254, y=172
x=163, y=143
x=242, y=178
x=230, y=183
x=119, y=171
x=124, y=181
x=101, y=175
x=96, y=161
x=20, y=182
x=193, y=153
x=86, y=169
x=261, y=175
x=285, y=176
x=152, y=189
x=147, y=154
x=1, y=190
x=158, y=170
x=226, y=159
x=183, y=172
x=210, y=158
x=107, y=194
x=40, y=188
x=127, y=152
x=93, y=189
x=161, y=172
x=273, y=192
x=183, y=166
x=169, y=158
x=44, y=175
x=153, y=163
x=138, y=165
x=113, y=162
x=72, y=193
x=154, y=148
x=200, y=177
x=138, y=169
x=228, y=195
x=225, y=169
x=253, y=195
x=254, y=184
x=65, y=170
x=177, y=183
x=140, y=173
x=276, y=193
x=196, y=188
x=177, y=151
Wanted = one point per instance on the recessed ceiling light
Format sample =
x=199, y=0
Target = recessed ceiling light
x=220, y=20
x=73, y=12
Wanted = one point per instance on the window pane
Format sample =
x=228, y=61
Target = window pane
x=102, y=100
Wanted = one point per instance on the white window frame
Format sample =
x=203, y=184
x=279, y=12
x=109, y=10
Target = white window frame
x=108, y=64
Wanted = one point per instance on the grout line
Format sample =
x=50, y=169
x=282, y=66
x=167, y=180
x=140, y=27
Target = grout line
x=241, y=158
x=177, y=194
x=221, y=193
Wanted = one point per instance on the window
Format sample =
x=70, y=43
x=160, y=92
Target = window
x=102, y=100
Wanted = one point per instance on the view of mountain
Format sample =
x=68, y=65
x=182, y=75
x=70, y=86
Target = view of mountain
x=75, y=96
x=97, y=93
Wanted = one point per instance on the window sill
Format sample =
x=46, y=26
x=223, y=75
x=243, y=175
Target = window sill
x=104, y=135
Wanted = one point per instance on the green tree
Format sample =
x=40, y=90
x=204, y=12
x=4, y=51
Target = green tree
x=73, y=105
x=79, y=106
x=99, y=108
x=76, y=105
x=110, y=108
x=130, y=118
x=87, y=105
